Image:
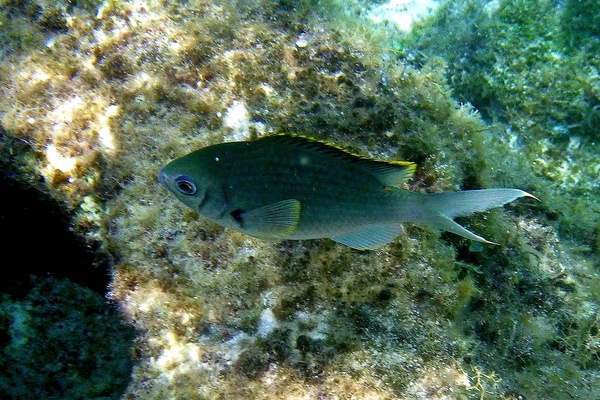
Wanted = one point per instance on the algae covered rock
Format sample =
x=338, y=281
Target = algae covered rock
x=96, y=98
x=62, y=341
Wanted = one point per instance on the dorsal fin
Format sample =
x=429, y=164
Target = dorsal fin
x=389, y=173
x=393, y=173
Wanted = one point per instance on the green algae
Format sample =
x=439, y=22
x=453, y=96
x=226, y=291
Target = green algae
x=220, y=315
x=62, y=341
x=545, y=97
x=542, y=100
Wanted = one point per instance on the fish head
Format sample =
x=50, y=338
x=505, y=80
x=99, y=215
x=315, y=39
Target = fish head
x=193, y=182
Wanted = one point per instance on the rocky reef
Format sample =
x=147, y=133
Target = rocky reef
x=95, y=97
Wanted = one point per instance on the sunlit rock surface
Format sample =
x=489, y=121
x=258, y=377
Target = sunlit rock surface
x=95, y=97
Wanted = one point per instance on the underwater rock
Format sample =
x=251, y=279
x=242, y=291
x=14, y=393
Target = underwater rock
x=62, y=340
x=91, y=114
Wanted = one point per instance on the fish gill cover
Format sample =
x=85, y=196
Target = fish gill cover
x=100, y=95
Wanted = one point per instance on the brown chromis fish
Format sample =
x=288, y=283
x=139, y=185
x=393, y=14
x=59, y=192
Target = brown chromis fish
x=292, y=187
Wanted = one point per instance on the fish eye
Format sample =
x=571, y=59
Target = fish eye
x=185, y=185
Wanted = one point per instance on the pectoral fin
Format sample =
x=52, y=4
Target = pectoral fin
x=275, y=221
x=369, y=238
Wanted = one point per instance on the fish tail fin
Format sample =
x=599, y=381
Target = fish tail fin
x=439, y=209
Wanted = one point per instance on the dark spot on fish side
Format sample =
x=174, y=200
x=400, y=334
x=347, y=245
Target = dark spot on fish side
x=237, y=215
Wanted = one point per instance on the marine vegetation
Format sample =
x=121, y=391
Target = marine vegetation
x=97, y=97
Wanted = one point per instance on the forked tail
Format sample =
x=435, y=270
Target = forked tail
x=438, y=209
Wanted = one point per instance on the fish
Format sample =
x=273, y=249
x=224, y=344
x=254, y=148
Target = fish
x=294, y=187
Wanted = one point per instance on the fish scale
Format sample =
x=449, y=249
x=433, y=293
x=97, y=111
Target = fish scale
x=293, y=187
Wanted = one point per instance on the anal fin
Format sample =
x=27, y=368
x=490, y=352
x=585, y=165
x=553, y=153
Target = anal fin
x=370, y=237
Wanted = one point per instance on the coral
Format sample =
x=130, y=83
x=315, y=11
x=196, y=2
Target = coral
x=96, y=98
